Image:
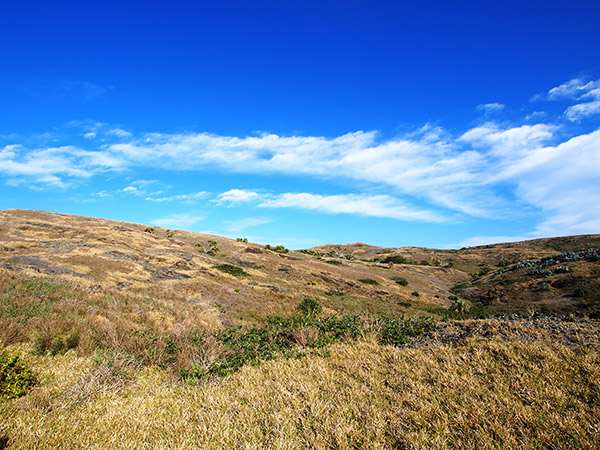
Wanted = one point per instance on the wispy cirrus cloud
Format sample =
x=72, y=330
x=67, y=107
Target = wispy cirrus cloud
x=383, y=206
x=490, y=107
x=182, y=198
x=236, y=196
x=587, y=93
x=177, y=220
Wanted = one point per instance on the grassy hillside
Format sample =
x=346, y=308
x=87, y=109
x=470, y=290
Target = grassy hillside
x=141, y=337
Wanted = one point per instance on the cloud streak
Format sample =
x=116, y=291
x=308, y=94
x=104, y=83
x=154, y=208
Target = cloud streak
x=487, y=171
x=383, y=206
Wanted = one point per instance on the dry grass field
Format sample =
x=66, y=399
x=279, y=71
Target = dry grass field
x=142, y=337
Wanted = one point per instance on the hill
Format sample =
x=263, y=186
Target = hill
x=144, y=337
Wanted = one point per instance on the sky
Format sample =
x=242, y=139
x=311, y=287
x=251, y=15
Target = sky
x=300, y=123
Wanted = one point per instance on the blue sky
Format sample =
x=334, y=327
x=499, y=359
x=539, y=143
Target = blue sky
x=439, y=124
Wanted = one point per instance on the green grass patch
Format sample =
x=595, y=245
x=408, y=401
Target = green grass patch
x=296, y=335
x=15, y=376
x=333, y=262
x=368, y=281
x=401, y=281
x=232, y=270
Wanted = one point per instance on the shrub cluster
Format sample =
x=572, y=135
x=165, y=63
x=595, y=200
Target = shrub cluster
x=310, y=252
x=277, y=248
x=232, y=270
x=368, y=281
x=15, y=376
x=294, y=335
x=401, y=281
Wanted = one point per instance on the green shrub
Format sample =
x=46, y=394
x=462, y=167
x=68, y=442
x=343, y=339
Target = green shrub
x=334, y=262
x=15, y=376
x=396, y=330
x=310, y=252
x=368, y=281
x=396, y=259
x=310, y=307
x=232, y=270
x=277, y=248
x=459, y=287
x=149, y=230
x=401, y=281
x=415, y=294
x=331, y=292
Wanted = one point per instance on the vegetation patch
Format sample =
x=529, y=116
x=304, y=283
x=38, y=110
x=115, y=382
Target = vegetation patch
x=459, y=287
x=15, y=376
x=232, y=270
x=368, y=281
x=401, y=281
x=277, y=248
x=334, y=262
x=294, y=336
x=310, y=252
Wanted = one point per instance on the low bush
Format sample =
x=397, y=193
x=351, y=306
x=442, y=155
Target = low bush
x=310, y=252
x=309, y=307
x=368, y=281
x=401, y=281
x=15, y=376
x=277, y=248
x=396, y=330
x=232, y=270
x=293, y=336
x=334, y=262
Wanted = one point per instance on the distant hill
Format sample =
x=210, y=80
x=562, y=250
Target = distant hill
x=135, y=259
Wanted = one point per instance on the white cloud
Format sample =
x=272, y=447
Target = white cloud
x=101, y=194
x=363, y=205
x=477, y=173
x=536, y=115
x=572, y=89
x=236, y=196
x=583, y=110
x=486, y=240
x=587, y=92
x=178, y=221
x=119, y=132
x=490, y=107
x=184, y=198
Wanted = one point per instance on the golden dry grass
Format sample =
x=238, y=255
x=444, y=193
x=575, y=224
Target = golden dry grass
x=482, y=395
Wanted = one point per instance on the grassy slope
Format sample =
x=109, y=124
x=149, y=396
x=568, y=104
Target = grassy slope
x=119, y=388
x=483, y=394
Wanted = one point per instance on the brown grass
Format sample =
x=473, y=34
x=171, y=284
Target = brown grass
x=485, y=394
